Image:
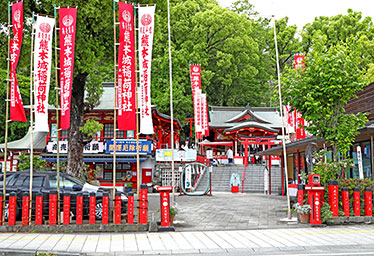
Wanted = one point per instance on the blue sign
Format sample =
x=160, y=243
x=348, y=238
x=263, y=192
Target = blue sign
x=129, y=146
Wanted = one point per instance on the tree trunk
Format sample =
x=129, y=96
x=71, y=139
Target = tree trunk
x=76, y=137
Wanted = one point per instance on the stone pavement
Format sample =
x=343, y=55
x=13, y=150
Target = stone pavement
x=225, y=211
x=268, y=241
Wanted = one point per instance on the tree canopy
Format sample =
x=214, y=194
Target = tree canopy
x=320, y=91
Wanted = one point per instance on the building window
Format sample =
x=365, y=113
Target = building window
x=109, y=131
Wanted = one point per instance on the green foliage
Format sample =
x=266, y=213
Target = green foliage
x=361, y=184
x=38, y=164
x=91, y=128
x=302, y=208
x=326, y=213
x=337, y=29
x=328, y=168
x=173, y=211
x=320, y=91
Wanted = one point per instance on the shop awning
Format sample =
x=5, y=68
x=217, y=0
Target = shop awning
x=216, y=143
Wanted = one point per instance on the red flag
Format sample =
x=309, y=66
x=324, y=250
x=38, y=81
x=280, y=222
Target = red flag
x=67, y=23
x=126, y=69
x=17, y=112
x=299, y=121
x=299, y=61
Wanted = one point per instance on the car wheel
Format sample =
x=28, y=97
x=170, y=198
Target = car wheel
x=99, y=210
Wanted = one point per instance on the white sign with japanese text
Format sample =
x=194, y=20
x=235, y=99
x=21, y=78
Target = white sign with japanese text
x=93, y=147
x=146, y=29
x=42, y=70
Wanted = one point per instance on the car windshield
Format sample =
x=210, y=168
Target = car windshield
x=76, y=180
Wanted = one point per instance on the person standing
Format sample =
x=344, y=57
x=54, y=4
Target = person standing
x=230, y=156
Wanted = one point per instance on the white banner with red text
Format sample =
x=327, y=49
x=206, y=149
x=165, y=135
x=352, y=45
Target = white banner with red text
x=126, y=69
x=67, y=23
x=204, y=115
x=17, y=112
x=146, y=30
x=42, y=70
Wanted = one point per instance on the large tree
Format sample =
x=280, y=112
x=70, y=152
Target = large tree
x=320, y=91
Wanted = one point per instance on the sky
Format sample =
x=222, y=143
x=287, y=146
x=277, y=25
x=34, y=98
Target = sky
x=301, y=12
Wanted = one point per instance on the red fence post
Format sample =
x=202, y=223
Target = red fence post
x=39, y=209
x=300, y=193
x=130, y=208
x=12, y=209
x=334, y=197
x=105, y=213
x=1, y=208
x=368, y=195
x=92, y=215
x=53, y=208
x=79, y=208
x=356, y=201
x=25, y=208
x=143, y=204
x=117, y=208
x=66, y=214
x=345, y=198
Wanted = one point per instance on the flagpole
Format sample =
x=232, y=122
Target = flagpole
x=6, y=120
x=115, y=110
x=31, y=117
x=137, y=123
x=171, y=111
x=57, y=119
x=283, y=129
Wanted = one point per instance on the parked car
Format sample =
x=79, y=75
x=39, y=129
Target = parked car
x=46, y=182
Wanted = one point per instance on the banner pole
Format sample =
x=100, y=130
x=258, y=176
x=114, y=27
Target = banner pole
x=171, y=112
x=31, y=117
x=283, y=128
x=115, y=110
x=57, y=121
x=137, y=125
x=6, y=119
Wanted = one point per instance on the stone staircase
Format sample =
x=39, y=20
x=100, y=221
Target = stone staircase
x=254, y=178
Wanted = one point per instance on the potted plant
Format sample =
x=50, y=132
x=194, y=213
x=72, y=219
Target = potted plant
x=173, y=212
x=304, y=211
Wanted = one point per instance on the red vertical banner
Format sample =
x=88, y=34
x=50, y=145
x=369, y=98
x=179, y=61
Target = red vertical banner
x=67, y=22
x=126, y=68
x=17, y=112
x=196, y=85
x=299, y=63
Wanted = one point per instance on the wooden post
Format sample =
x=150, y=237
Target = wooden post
x=57, y=121
x=115, y=107
x=31, y=115
x=6, y=121
x=298, y=166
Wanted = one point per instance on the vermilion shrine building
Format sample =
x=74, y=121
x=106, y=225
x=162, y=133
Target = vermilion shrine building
x=247, y=130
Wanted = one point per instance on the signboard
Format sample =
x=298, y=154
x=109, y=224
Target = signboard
x=187, y=182
x=359, y=159
x=164, y=155
x=129, y=147
x=93, y=147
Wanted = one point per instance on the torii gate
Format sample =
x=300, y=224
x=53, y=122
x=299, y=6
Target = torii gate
x=256, y=141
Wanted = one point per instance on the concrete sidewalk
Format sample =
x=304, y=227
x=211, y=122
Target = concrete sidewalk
x=225, y=211
x=209, y=242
